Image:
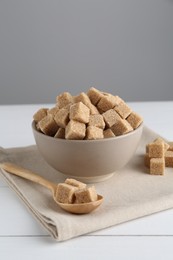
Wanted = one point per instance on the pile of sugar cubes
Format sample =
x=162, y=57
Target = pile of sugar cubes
x=92, y=115
x=159, y=154
x=73, y=191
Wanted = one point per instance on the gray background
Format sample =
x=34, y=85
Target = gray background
x=47, y=47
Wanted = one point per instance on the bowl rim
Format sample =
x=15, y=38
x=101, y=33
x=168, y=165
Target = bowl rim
x=86, y=141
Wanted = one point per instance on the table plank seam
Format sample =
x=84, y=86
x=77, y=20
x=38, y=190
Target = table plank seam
x=6, y=236
x=132, y=235
x=137, y=235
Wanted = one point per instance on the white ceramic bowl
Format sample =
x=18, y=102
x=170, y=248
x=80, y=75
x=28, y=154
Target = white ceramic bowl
x=88, y=160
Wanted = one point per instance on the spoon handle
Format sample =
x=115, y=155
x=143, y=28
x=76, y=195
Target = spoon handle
x=27, y=174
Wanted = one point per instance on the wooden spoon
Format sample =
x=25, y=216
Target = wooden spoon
x=82, y=208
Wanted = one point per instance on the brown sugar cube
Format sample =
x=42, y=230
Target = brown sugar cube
x=76, y=183
x=79, y=112
x=134, y=120
x=93, y=133
x=62, y=117
x=60, y=133
x=64, y=99
x=82, y=97
x=108, y=133
x=157, y=166
x=147, y=160
x=118, y=100
x=53, y=111
x=161, y=140
x=40, y=114
x=65, y=193
x=100, y=111
x=166, y=146
x=110, y=117
x=169, y=158
x=156, y=150
x=94, y=95
x=96, y=120
x=93, y=109
x=105, y=93
x=75, y=130
x=121, y=127
x=158, y=140
x=123, y=109
x=170, y=146
x=107, y=102
x=48, y=125
x=86, y=195
x=68, y=107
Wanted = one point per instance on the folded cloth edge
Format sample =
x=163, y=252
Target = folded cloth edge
x=53, y=231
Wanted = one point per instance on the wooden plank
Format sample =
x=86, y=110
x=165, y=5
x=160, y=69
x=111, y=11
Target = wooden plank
x=110, y=247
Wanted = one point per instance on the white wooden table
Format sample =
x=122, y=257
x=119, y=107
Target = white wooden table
x=21, y=237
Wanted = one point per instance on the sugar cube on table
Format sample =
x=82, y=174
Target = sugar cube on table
x=161, y=140
x=147, y=160
x=157, y=166
x=169, y=158
x=156, y=150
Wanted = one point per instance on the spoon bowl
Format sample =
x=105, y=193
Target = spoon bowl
x=82, y=208
x=75, y=208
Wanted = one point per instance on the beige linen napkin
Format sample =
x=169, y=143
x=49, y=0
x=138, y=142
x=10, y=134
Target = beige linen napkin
x=131, y=193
